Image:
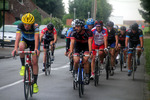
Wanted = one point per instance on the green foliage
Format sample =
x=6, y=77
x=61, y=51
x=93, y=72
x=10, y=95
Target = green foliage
x=67, y=16
x=146, y=12
x=147, y=57
x=54, y=7
x=104, y=9
x=1, y=19
x=55, y=21
x=37, y=16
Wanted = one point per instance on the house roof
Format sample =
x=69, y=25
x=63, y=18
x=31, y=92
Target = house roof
x=17, y=8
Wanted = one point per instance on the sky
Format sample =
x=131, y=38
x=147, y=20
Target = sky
x=126, y=8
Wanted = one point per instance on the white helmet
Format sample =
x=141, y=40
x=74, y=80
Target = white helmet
x=73, y=23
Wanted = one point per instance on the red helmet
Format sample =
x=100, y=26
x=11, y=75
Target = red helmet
x=100, y=23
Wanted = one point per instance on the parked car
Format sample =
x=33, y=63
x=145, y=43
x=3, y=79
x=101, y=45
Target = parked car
x=9, y=34
x=64, y=32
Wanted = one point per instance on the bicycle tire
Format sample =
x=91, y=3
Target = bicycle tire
x=80, y=82
x=50, y=62
x=107, y=67
x=121, y=61
x=31, y=84
x=26, y=82
x=133, y=68
x=96, y=73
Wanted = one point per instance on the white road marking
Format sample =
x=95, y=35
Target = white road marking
x=17, y=82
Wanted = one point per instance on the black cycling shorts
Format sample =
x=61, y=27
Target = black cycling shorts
x=81, y=47
x=29, y=44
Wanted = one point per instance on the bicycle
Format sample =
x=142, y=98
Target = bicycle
x=80, y=76
x=97, y=67
x=133, y=61
x=121, y=58
x=48, y=60
x=107, y=67
x=28, y=76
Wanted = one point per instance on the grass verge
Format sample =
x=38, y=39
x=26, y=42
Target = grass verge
x=147, y=57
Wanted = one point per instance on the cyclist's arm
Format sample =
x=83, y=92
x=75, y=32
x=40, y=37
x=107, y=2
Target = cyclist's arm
x=41, y=35
x=105, y=41
x=90, y=44
x=67, y=44
x=126, y=41
x=72, y=45
x=141, y=41
x=18, y=35
x=116, y=37
x=55, y=38
x=36, y=37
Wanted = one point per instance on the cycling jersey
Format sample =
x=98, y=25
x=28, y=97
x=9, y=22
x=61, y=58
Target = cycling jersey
x=69, y=32
x=45, y=30
x=81, y=40
x=86, y=26
x=134, y=38
x=28, y=34
x=99, y=37
x=111, y=36
x=122, y=39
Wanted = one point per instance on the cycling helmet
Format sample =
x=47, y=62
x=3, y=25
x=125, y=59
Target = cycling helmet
x=110, y=24
x=99, y=23
x=123, y=28
x=80, y=22
x=28, y=18
x=50, y=26
x=73, y=23
x=90, y=21
x=135, y=26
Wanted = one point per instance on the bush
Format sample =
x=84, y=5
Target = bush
x=37, y=16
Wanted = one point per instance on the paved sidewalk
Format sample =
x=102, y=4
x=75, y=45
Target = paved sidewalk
x=6, y=51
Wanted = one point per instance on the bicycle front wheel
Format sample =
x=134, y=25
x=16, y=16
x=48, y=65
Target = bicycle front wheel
x=96, y=81
x=26, y=82
x=121, y=61
x=107, y=67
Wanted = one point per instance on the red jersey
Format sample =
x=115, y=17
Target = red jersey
x=45, y=30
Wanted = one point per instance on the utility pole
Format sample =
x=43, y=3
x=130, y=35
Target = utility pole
x=95, y=8
x=3, y=22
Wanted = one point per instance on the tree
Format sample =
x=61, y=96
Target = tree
x=67, y=16
x=1, y=19
x=146, y=12
x=84, y=6
x=54, y=7
x=37, y=16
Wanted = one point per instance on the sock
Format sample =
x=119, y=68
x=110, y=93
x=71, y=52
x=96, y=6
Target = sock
x=35, y=78
x=22, y=61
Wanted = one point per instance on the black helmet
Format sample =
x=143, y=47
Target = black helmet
x=80, y=22
x=110, y=24
x=50, y=26
x=99, y=23
x=135, y=26
x=123, y=28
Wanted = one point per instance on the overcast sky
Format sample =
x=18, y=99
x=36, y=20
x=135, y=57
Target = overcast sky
x=126, y=8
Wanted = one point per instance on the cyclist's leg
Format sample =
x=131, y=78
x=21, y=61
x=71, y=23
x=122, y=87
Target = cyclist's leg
x=52, y=47
x=22, y=47
x=101, y=53
x=130, y=45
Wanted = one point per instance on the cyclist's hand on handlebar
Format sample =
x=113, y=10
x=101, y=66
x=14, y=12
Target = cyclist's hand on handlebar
x=91, y=55
x=70, y=54
x=66, y=53
x=106, y=50
x=37, y=52
x=14, y=52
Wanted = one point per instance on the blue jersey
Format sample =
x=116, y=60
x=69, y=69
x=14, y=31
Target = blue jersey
x=28, y=34
x=86, y=26
x=69, y=32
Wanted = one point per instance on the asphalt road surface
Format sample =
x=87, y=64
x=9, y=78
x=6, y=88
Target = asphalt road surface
x=59, y=85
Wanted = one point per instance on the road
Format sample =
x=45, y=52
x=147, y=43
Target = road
x=58, y=86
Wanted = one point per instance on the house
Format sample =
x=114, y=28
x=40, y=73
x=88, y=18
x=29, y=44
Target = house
x=16, y=8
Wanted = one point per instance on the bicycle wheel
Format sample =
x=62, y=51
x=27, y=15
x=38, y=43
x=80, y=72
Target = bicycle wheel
x=80, y=82
x=133, y=67
x=96, y=73
x=71, y=64
x=31, y=82
x=121, y=61
x=50, y=62
x=107, y=67
x=26, y=82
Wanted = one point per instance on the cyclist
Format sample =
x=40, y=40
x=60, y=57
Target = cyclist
x=113, y=43
x=90, y=23
x=134, y=38
x=81, y=40
x=99, y=42
x=28, y=35
x=50, y=37
x=121, y=42
x=68, y=40
x=68, y=37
